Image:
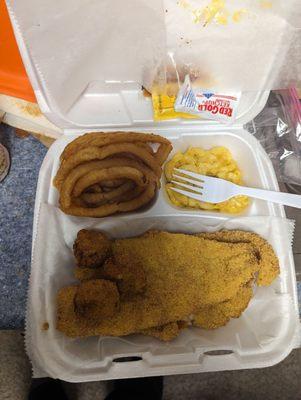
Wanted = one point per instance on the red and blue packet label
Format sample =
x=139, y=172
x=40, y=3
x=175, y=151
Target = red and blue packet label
x=209, y=105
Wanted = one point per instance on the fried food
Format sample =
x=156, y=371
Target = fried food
x=163, y=280
x=101, y=139
x=112, y=208
x=98, y=198
x=216, y=162
x=107, y=173
x=77, y=173
x=267, y=259
x=83, y=171
x=95, y=260
x=95, y=176
x=213, y=271
x=166, y=332
x=84, y=274
x=217, y=315
x=96, y=153
x=96, y=300
x=94, y=189
x=113, y=183
x=91, y=248
x=130, y=278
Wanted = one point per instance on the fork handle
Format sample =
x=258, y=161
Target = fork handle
x=287, y=199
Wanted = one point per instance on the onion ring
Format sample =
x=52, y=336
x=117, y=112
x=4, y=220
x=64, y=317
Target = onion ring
x=146, y=147
x=96, y=176
x=96, y=153
x=130, y=194
x=79, y=171
x=100, y=139
x=127, y=162
x=108, y=209
x=101, y=174
x=112, y=183
x=163, y=152
x=94, y=189
x=94, y=198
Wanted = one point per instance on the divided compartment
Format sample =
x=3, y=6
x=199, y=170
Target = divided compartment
x=257, y=170
x=243, y=343
x=262, y=336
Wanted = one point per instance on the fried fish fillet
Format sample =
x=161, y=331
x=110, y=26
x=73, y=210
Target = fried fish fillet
x=267, y=259
x=215, y=269
x=166, y=332
x=130, y=278
x=96, y=299
x=91, y=248
x=183, y=273
x=85, y=274
x=215, y=316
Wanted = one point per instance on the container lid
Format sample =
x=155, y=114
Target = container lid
x=113, y=104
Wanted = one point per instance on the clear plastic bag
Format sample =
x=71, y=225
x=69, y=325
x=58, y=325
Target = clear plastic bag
x=278, y=129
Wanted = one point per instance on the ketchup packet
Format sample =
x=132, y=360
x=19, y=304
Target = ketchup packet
x=209, y=105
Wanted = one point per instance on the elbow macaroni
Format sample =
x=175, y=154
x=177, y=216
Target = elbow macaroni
x=216, y=162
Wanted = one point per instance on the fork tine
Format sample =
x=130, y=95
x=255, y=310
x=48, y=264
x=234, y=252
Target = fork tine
x=192, y=174
x=188, y=194
x=183, y=178
x=195, y=189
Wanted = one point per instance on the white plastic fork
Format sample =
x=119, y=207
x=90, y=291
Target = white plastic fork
x=215, y=190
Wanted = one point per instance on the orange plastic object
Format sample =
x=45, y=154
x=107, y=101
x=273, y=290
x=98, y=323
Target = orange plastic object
x=13, y=78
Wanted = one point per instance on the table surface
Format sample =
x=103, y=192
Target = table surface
x=17, y=196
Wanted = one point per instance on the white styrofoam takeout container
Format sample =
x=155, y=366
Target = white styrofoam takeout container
x=239, y=344
x=112, y=104
x=122, y=105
